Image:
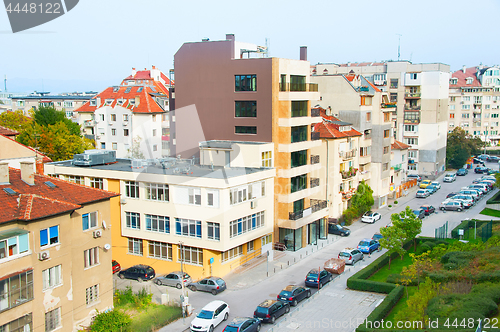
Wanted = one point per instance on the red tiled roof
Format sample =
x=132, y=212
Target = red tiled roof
x=40, y=201
x=397, y=145
x=140, y=75
x=461, y=76
x=327, y=129
x=7, y=131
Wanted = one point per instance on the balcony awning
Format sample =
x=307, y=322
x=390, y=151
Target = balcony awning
x=11, y=233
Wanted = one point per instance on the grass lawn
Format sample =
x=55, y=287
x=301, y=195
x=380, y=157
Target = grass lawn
x=401, y=303
x=396, y=266
x=152, y=317
x=491, y=212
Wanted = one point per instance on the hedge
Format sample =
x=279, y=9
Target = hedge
x=495, y=199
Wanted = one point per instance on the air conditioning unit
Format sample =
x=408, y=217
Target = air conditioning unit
x=123, y=201
x=43, y=255
x=253, y=204
x=97, y=233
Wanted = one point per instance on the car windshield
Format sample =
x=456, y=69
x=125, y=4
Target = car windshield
x=364, y=243
x=285, y=293
x=369, y=214
x=344, y=254
x=205, y=314
x=261, y=310
x=220, y=282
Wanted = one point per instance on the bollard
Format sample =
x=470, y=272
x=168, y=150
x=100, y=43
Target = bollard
x=274, y=270
x=300, y=256
x=288, y=263
x=294, y=259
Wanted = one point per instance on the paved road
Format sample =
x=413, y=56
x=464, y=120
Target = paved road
x=246, y=290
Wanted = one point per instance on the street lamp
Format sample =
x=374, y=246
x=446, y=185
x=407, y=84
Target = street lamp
x=181, y=257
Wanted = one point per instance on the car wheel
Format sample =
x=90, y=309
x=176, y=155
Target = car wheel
x=442, y=209
x=211, y=329
x=121, y=276
x=273, y=319
x=139, y=279
x=193, y=288
x=308, y=294
x=294, y=303
x=158, y=282
x=258, y=327
x=178, y=286
x=287, y=309
x=331, y=278
x=363, y=257
x=225, y=316
x=320, y=285
x=459, y=210
x=214, y=292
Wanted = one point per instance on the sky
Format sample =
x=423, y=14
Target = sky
x=96, y=44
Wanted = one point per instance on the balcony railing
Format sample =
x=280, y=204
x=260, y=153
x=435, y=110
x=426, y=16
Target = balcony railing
x=314, y=135
x=412, y=95
x=349, y=173
x=315, y=112
x=412, y=108
x=311, y=87
x=314, y=159
x=348, y=194
x=347, y=154
x=318, y=205
x=397, y=167
x=412, y=121
x=89, y=123
x=314, y=182
x=388, y=105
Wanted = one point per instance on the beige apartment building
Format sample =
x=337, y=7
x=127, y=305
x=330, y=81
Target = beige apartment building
x=67, y=102
x=211, y=217
x=55, y=252
x=475, y=102
x=229, y=90
x=418, y=98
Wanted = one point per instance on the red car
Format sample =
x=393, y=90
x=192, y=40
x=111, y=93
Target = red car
x=428, y=209
x=116, y=266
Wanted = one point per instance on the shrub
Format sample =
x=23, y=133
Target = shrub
x=422, y=248
x=124, y=296
x=450, y=266
x=395, y=202
x=110, y=321
x=430, y=244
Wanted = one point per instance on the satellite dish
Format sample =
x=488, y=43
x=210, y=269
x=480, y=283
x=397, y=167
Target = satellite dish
x=103, y=224
x=107, y=246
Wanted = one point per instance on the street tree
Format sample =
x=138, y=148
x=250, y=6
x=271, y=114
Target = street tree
x=460, y=146
x=410, y=224
x=393, y=240
x=361, y=202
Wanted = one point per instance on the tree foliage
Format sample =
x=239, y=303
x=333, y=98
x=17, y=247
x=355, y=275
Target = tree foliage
x=361, y=202
x=135, y=150
x=460, y=146
x=15, y=120
x=409, y=223
x=393, y=240
x=46, y=116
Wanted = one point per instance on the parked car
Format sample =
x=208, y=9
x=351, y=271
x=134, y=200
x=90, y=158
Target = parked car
x=487, y=183
x=428, y=209
x=431, y=188
x=414, y=176
x=293, y=294
x=481, y=170
x=492, y=159
x=351, y=255
x=115, y=266
x=173, y=279
x=312, y=278
x=462, y=172
x=477, y=161
x=425, y=183
x=436, y=184
x=489, y=177
x=243, y=324
x=371, y=217
x=493, y=171
x=419, y=213
x=481, y=187
x=269, y=310
x=451, y=195
x=451, y=205
x=377, y=236
x=467, y=200
x=138, y=272
x=367, y=246
x=483, y=157
x=210, y=316
x=450, y=177
x=212, y=285
x=338, y=230
x=474, y=193
x=422, y=193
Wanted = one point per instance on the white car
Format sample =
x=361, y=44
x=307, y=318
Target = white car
x=370, y=217
x=450, y=177
x=210, y=316
x=436, y=184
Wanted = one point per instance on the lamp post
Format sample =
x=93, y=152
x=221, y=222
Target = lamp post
x=181, y=257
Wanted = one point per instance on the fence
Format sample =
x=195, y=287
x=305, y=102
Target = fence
x=473, y=229
x=441, y=232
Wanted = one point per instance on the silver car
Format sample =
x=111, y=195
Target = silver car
x=173, y=279
x=423, y=193
x=467, y=200
x=451, y=205
x=450, y=177
x=212, y=285
x=351, y=256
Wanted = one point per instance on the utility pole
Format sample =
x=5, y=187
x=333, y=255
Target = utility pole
x=182, y=280
x=399, y=46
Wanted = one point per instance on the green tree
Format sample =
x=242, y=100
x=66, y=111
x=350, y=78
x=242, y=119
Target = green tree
x=410, y=224
x=363, y=199
x=15, y=120
x=135, y=150
x=45, y=116
x=393, y=240
x=460, y=146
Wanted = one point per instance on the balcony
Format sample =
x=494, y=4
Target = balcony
x=397, y=167
x=349, y=173
x=314, y=159
x=412, y=108
x=412, y=95
x=314, y=135
x=347, y=154
x=313, y=182
x=388, y=105
x=320, y=205
x=348, y=194
x=89, y=123
x=310, y=87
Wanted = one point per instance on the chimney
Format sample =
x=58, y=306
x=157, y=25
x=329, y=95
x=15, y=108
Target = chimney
x=154, y=67
x=134, y=72
x=303, y=53
x=98, y=101
x=463, y=69
x=4, y=172
x=27, y=172
x=230, y=36
x=137, y=101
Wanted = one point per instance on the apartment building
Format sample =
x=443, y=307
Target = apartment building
x=14, y=153
x=418, y=99
x=230, y=90
x=357, y=101
x=212, y=217
x=55, y=252
x=130, y=118
x=67, y=102
x=341, y=171
x=399, y=165
x=474, y=102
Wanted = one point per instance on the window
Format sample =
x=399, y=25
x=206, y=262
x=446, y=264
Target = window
x=89, y=220
x=91, y=257
x=298, y=183
x=188, y=227
x=155, y=147
x=246, y=192
x=114, y=146
x=131, y=189
x=191, y=255
x=75, y=179
x=411, y=141
x=468, y=80
x=265, y=239
x=246, y=224
x=213, y=230
x=487, y=107
x=297, y=83
x=299, y=108
x=298, y=158
x=135, y=246
x=93, y=102
x=452, y=107
x=245, y=130
x=267, y=159
x=452, y=115
x=263, y=188
x=52, y=277
x=113, y=132
x=394, y=83
x=131, y=101
x=386, y=149
x=157, y=192
x=465, y=116
x=125, y=117
x=156, y=223
x=210, y=199
x=298, y=134
x=194, y=196
x=412, y=167
x=494, y=115
x=16, y=290
x=365, y=151
x=231, y=253
x=97, y=183
x=385, y=166
x=49, y=236
x=368, y=116
x=52, y=319
x=410, y=128
x=245, y=82
x=103, y=145
x=133, y=220
x=154, y=132
x=387, y=117
x=113, y=117
x=466, y=107
x=14, y=245
x=92, y=294
x=387, y=133
x=22, y=324
x=245, y=109
x=250, y=246
x=366, y=100
x=466, y=98
x=412, y=116
x=160, y=250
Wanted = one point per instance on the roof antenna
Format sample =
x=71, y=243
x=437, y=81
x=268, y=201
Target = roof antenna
x=399, y=46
